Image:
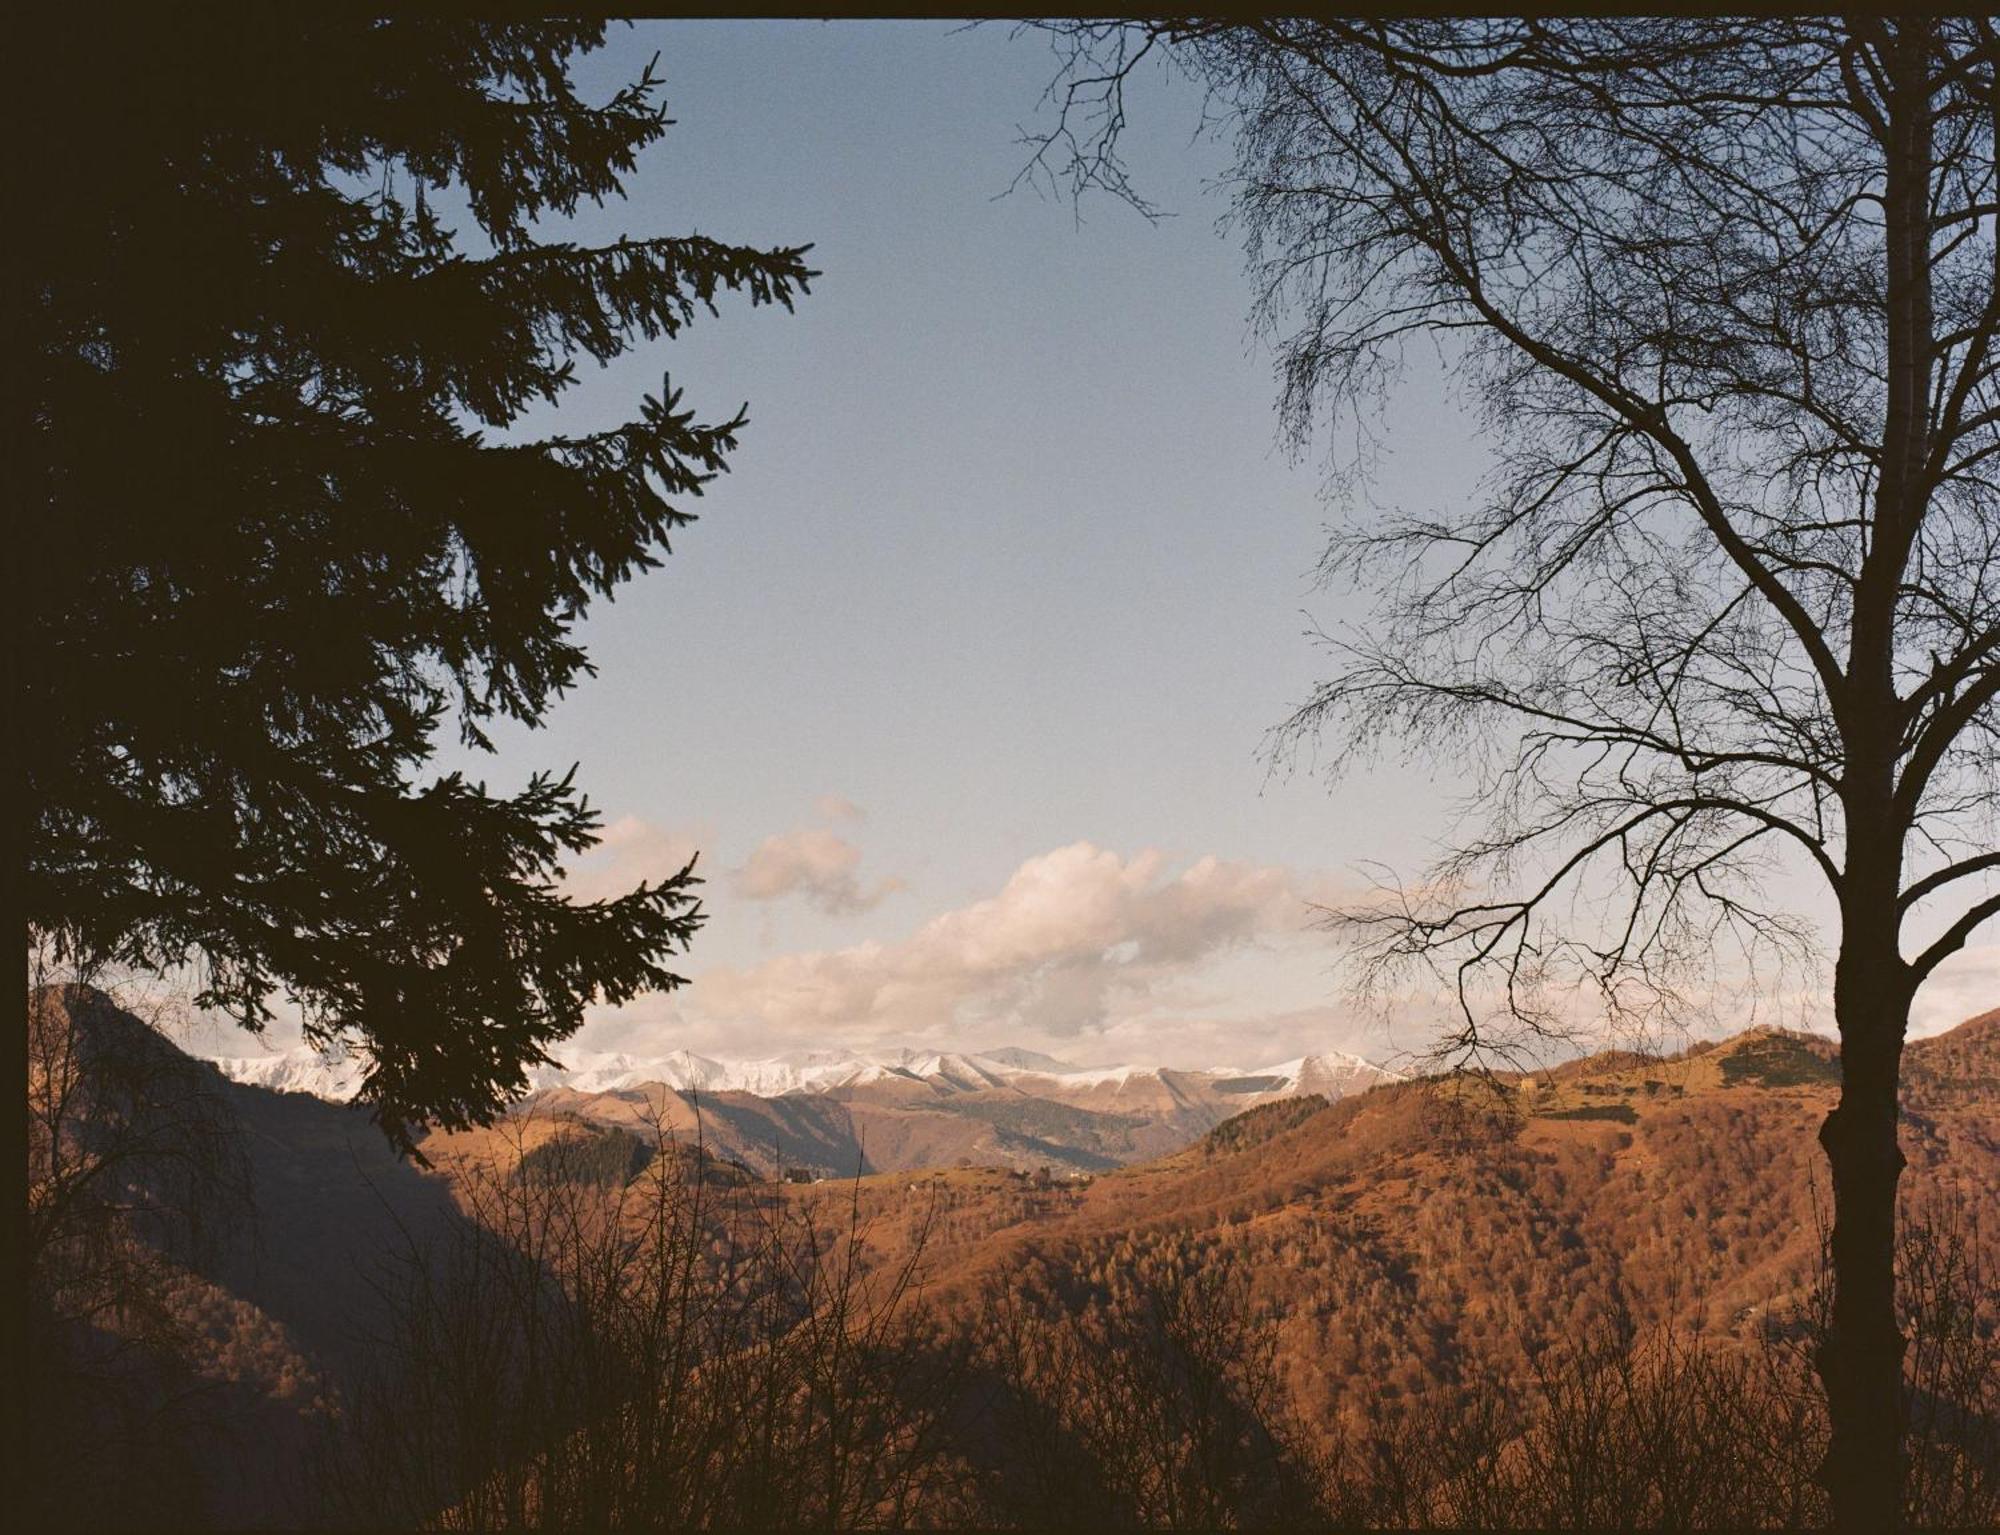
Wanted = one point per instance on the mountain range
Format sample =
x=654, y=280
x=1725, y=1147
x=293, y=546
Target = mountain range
x=834, y=1113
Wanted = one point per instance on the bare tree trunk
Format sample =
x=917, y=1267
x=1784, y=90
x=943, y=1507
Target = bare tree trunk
x=1861, y=1360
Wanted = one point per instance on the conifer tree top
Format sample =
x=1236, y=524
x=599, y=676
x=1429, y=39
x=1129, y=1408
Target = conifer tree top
x=278, y=546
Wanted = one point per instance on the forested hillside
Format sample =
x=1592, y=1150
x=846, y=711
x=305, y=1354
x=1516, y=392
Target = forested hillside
x=1422, y=1259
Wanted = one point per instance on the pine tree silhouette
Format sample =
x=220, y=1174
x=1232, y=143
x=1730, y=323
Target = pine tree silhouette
x=272, y=548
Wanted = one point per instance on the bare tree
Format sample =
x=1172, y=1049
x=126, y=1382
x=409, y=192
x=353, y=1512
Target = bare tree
x=1726, y=293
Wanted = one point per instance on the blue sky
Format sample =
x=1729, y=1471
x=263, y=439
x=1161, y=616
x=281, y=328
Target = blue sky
x=960, y=681
x=1011, y=558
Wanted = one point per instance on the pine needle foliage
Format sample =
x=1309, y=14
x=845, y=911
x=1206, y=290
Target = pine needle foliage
x=285, y=296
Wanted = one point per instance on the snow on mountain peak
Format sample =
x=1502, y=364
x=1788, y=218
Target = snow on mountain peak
x=338, y=1077
x=329, y=1074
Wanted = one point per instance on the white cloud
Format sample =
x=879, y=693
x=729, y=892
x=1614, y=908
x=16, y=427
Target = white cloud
x=1248, y=1041
x=1077, y=939
x=1094, y=955
x=815, y=864
x=838, y=807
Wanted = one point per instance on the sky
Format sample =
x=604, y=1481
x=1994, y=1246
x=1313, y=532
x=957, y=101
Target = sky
x=960, y=684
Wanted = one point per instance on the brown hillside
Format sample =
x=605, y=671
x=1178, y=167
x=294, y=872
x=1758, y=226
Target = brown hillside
x=1418, y=1239
x=1411, y=1234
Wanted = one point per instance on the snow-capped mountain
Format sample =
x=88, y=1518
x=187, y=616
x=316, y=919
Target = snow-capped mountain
x=837, y=1111
x=301, y=1069
x=835, y=1072
x=304, y=1069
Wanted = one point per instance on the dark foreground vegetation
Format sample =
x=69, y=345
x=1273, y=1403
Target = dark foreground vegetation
x=665, y=1358
x=619, y=1331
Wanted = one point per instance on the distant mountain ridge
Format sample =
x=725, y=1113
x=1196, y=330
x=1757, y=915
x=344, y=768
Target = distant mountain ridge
x=835, y=1112
x=337, y=1078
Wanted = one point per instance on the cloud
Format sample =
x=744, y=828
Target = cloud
x=838, y=807
x=815, y=864
x=1100, y=957
x=1076, y=938
x=1249, y=1040
x=631, y=850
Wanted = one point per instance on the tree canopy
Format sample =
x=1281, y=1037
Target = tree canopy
x=1727, y=294
x=284, y=294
